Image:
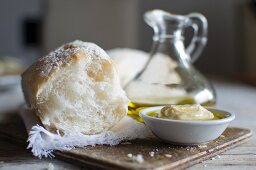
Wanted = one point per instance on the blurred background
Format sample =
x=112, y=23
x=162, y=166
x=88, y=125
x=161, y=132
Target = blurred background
x=32, y=28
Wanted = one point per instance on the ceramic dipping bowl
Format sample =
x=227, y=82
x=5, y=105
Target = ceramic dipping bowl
x=186, y=132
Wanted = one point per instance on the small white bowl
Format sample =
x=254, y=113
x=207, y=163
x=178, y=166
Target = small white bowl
x=186, y=132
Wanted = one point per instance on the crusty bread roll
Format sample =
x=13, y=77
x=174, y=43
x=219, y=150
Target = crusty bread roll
x=129, y=62
x=75, y=89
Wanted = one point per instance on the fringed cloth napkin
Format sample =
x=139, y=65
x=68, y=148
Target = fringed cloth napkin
x=43, y=142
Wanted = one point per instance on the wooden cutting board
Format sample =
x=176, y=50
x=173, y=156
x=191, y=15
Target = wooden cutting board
x=166, y=156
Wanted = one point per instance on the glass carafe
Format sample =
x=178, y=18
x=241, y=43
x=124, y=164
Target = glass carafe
x=169, y=76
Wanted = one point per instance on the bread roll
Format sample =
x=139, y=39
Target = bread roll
x=129, y=62
x=75, y=89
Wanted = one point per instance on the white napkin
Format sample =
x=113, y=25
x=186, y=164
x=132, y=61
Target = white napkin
x=43, y=142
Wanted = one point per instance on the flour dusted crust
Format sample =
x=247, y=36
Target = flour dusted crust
x=75, y=89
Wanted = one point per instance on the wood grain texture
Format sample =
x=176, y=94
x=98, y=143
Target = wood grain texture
x=240, y=100
x=115, y=157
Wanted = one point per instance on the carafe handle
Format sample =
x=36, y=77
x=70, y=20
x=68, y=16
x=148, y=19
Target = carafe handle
x=199, y=24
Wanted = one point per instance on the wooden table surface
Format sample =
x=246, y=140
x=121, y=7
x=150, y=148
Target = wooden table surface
x=236, y=98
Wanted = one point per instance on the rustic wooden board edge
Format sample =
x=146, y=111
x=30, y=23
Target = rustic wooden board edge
x=221, y=149
x=81, y=161
x=195, y=160
x=78, y=160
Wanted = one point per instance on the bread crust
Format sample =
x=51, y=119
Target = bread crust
x=36, y=77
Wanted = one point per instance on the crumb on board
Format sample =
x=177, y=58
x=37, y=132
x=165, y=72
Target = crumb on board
x=129, y=155
x=136, y=158
x=50, y=166
x=139, y=158
x=222, y=136
x=202, y=146
x=168, y=155
x=152, y=154
x=216, y=157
